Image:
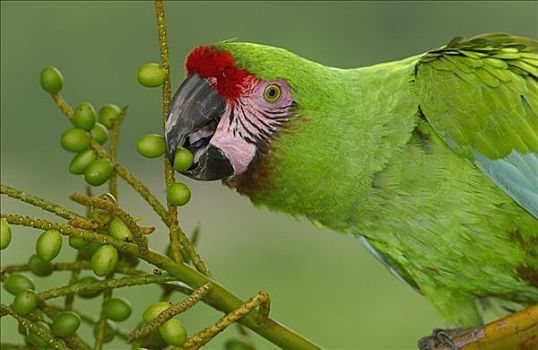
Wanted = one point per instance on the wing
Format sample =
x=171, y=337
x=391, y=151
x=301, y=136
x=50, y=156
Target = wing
x=481, y=96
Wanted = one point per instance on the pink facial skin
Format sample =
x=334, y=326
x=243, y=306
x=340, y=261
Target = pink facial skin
x=250, y=121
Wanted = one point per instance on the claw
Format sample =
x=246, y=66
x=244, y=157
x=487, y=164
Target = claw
x=441, y=339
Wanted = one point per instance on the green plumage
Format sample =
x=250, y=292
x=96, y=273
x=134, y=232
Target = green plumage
x=426, y=158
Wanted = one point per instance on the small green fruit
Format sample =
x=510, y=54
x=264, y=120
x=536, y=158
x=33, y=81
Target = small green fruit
x=119, y=230
x=84, y=116
x=99, y=133
x=75, y=140
x=108, y=113
x=77, y=243
x=48, y=245
x=16, y=283
x=178, y=194
x=98, y=172
x=151, y=75
x=5, y=234
x=154, y=310
x=65, y=324
x=22, y=330
x=151, y=146
x=183, y=160
x=51, y=80
x=110, y=331
x=128, y=260
x=87, y=252
x=36, y=340
x=117, y=309
x=88, y=293
x=173, y=332
x=104, y=260
x=39, y=267
x=25, y=302
x=81, y=161
x=236, y=344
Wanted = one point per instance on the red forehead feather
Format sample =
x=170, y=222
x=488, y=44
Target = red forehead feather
x=218, y=67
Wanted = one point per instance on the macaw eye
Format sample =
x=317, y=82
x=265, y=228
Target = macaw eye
x=271, y=93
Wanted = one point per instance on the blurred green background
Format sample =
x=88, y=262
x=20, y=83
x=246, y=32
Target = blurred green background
x=324, y=285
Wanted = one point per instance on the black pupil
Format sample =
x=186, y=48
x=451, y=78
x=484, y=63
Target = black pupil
x=271, y=92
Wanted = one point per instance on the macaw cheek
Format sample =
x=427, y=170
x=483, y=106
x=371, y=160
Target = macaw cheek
x=239, y=152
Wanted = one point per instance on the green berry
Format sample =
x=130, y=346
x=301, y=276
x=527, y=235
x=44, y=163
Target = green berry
x=16, y=283
x=39, y=267
x=75, y=140
x=104, y=260
x=128, y=260
x=154, y=310
x=119, y=230
x=99, y=133
x=151, y=75
x=22, y=330
x=81, y=161
x=236, y=344
x=155, y=340
x=87, y=252
x=88, y=293
x=110, y=331
x=173, y=332
x=48, y=245
x=65, y=324
x=5, y=234
x=151, y=146
x=178, y=194
x=98, y=172
x=25, y=302
x=51, y=80
x=117, y=309
x=77, y=243
x=183, y=160
x=84, y=116
x=108, y=113
x=36, y=340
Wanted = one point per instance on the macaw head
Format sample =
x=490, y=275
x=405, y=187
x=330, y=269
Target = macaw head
x=274, y=126
x=226, y=115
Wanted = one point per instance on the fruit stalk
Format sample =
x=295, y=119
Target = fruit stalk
x=33, y=328
x=219, y=297
x=173, y=225
x=39, y=202
x=133, y=280
x=167, y=314
x=113, y=149
x=112, y=208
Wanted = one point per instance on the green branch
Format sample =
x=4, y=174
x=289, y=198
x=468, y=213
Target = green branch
x=135, y=183
x=113, y=209
x=135, y=280
x=218, y=297
x=39, y=202
x=113, y=149
x=172, y=311
x=77, y=265
x=175, y=241
x=33, y=328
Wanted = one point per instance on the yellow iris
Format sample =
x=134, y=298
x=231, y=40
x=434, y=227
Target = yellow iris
x=271, y=93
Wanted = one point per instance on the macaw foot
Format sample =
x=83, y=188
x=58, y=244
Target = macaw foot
x=441, y=339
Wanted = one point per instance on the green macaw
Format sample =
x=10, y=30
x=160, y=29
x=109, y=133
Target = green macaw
x=432, y=161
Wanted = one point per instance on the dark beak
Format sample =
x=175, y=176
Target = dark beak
x=195, y=105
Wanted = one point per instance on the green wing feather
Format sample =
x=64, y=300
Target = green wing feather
x=481, y=96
